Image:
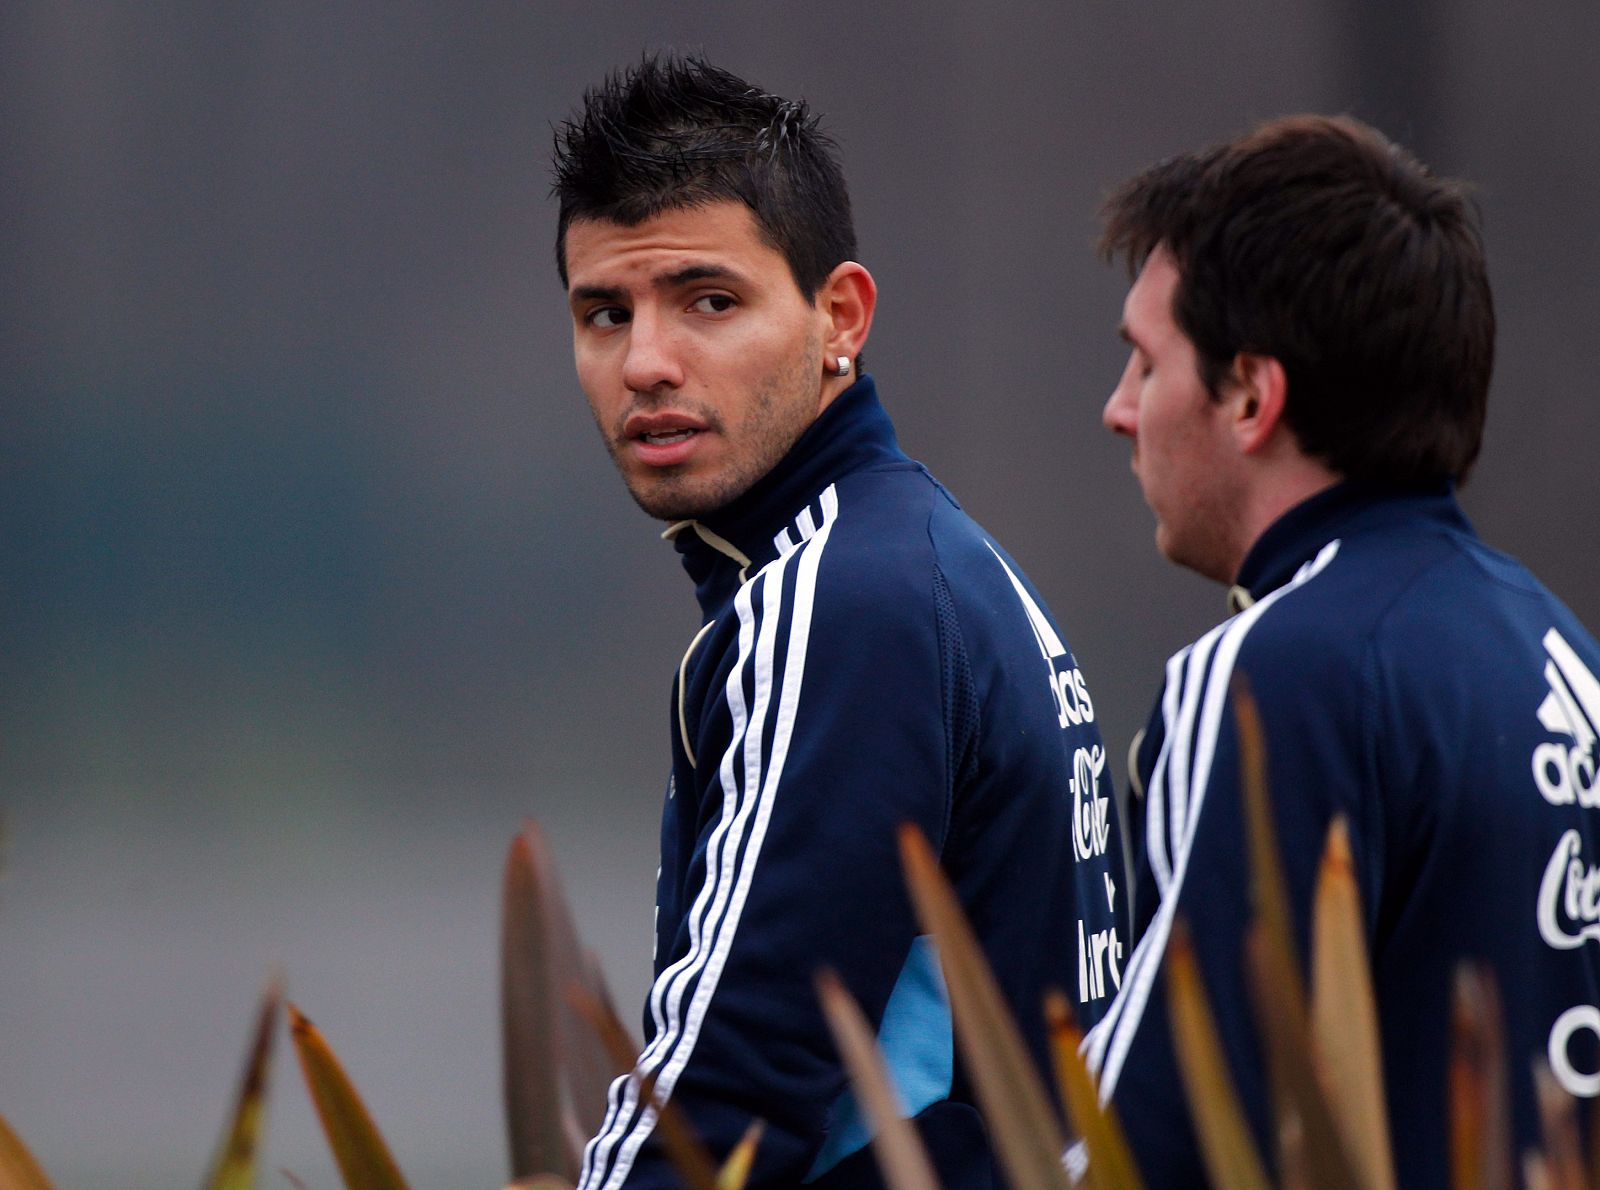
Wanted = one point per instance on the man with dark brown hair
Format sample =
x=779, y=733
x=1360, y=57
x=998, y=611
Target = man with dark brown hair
x=1311, y=336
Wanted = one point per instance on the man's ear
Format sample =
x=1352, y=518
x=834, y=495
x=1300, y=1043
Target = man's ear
x=848, y=298
x=1258, y=390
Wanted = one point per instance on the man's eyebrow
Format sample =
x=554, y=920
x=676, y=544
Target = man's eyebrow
x=595, y=293
x=697, y=272
x=673, y=280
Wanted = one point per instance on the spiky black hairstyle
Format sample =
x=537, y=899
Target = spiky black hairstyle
x=676, y=132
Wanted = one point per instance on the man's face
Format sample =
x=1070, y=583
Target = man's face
x=701, y=359
x=1183, y=452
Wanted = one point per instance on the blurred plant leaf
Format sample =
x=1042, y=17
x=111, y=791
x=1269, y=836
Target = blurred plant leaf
x=1269, y=892
x=234, y=1167
x=735, y=1171
x=1344, y=1014
x=556, y=1071
x=683, y=1148
x=899, y=1151
x=1311, y=1150
x=1558, y=1126
x=1594, y=1143
x=543, y=1181
x=1111, y=1165
x=1026, y=1136
x=18, y=1169
x=363, y=1158
x=1480, y=1103
x=1535, y=1172
x=1225, y=1141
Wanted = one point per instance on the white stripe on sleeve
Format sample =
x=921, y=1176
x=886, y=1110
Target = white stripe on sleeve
x=749, y=791
x=1107, y=1044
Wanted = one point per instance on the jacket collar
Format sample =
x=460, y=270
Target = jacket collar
x=1296, y=537
x=723, y=548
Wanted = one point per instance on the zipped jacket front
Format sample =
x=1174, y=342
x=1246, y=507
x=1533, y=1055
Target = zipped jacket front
x=869, y=657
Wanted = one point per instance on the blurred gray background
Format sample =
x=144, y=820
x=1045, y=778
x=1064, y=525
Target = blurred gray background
x=314, y=579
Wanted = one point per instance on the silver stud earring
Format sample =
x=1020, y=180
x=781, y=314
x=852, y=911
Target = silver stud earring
x=842, y=367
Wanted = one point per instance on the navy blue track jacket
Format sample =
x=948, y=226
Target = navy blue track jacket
x=1433, y=692
x=869, y=657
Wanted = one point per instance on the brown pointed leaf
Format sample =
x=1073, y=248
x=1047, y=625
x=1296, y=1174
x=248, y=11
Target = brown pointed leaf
x=1269, y=892
x=529, y=1049
x=555, y=1070
x=1558, y=1126
x=1344, y=1015
x=683, y=1148
x=234, y=1167
x=1225, y=1142
x=358, y=1147
x=18, y=1169
x=1304, y=1118
x=1022, y=1125
x=1314, y=1156
x=1111, y=1165
x=735, y=1171
x=1594, y=1142
x=898, y=1149
x=1480, y=1102
x=604, y=1023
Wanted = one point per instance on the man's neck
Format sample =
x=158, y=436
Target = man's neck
x=1292, y=481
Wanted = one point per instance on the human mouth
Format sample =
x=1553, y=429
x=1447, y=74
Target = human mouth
x=663, y=439
x=667, y=437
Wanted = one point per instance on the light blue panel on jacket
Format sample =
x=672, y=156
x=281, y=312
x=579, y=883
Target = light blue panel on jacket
x=918, y=1045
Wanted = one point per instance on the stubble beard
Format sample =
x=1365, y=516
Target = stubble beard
x=778, y=412
x=1203, y=540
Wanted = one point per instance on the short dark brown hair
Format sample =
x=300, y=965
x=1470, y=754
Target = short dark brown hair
x=1317, y=241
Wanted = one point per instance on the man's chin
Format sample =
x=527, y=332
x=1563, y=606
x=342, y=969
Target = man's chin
x=1205, y=557
x=669, y=500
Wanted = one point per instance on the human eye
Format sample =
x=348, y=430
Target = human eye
x=713, y=303
x=606, y=317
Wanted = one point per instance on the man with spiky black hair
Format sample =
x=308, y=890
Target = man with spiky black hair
x=869, y=656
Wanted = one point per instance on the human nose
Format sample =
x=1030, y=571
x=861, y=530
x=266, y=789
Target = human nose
x=1120, y=415
x=652, y=359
